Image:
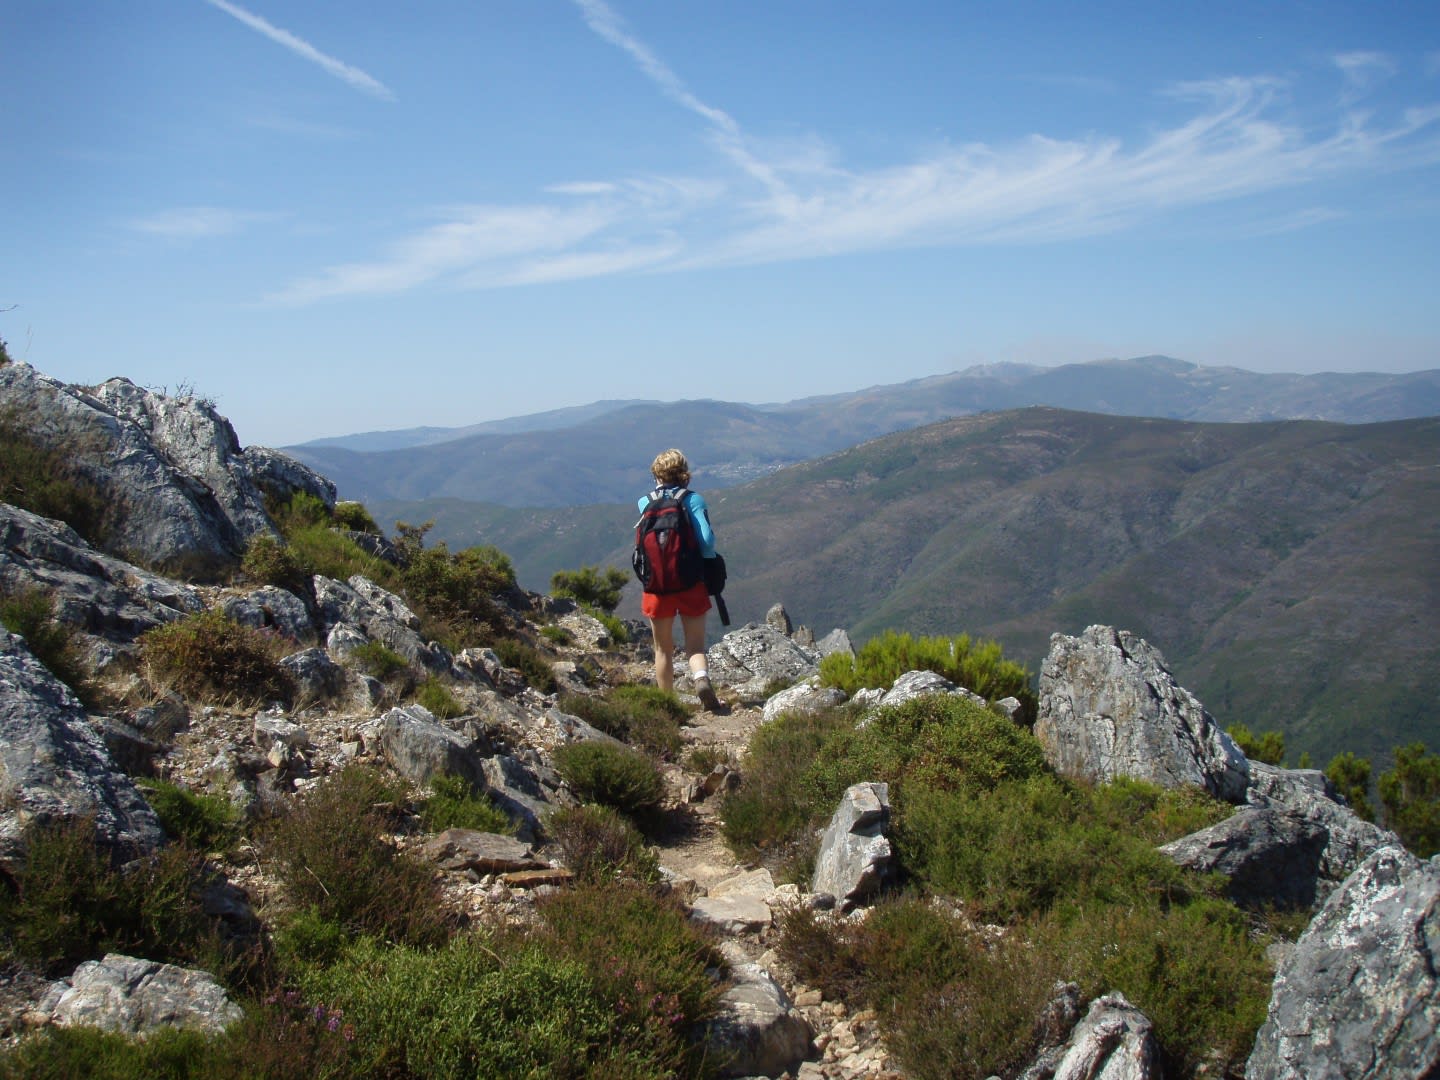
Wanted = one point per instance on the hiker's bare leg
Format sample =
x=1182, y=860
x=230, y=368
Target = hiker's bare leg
x=662, y=630
x=693, y=627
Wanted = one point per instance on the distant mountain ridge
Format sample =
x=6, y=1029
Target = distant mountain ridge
x=598, y=453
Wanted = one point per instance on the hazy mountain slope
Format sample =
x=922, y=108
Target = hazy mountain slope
x=597, y=453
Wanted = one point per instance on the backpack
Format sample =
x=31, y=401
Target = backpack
x=667, y=553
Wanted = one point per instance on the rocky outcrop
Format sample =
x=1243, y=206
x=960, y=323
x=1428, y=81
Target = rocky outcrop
x=755, y=657
x=756, y=1032
x=55, y=769
x=420, y=749
x=359, y=605
x=1359, y=994
x=1115, y=1041
x=182, y=497
x=855, y=856
x=1109, y=707
x=132, y=996
x=914, y=684
x=804, y=697
x=1270, y=857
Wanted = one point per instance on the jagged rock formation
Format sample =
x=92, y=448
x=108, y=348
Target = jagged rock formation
x=182, y=496
x=133, y=996
x=1359, y=995
x=854, y=858
x=1109, y=707
x=54, y=768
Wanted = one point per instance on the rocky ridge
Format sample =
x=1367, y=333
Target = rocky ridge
x=1108, y=707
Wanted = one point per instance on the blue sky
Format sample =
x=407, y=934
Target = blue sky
x=334, y=216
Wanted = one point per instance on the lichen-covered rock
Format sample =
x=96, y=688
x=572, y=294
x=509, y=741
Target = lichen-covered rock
x=361, y=605
x=275, y=609
x=1269, y=856
x=915, y=684
x=855, y=856
x=1109, y=707
x=756, y=1032
x=55, y=769
x=806, y=696
x=419, y=748
x=1115, y=1041
x=1359, y=995
x=756, y=656
x=133, y=996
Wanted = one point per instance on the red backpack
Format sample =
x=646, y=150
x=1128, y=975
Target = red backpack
x=667, y=553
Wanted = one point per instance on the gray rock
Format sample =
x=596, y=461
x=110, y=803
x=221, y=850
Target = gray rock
x=315, y=676
x=1270, y=857
x=132, y=996
x=419, y=748
x=54, y=767
x=483, y=852
x=779, y=619
x=915, y=684
x=1307, y=794
x=807, y=696
x=837, y=641
x=522, y=792
x=756, y=1032
x=181, y=496
x=271, y=731
x=272, y=608
x=1115, y=1041
x=360, y=604
x=756, y=656
x=1109, y=707
x=855, y=857
x=1359, y=995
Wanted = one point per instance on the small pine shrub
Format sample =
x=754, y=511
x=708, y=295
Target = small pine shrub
x=599, y=845
x=31, y=614
x=454, y=804
x=528, y=661
x=978, y=666
x=614, y=776
x=1410, y=793
x=354, y=516
x=1268, y=747
x=439, y=699
x=204, y=821
x=332, y=856
x=212, y=658
x=591, y=585
x=1351, y=777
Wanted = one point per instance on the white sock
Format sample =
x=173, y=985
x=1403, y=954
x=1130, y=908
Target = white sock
x=701, y=674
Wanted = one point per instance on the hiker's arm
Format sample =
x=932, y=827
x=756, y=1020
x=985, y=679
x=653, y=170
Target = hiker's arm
x=700, y=515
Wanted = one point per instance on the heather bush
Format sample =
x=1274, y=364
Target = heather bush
x=204, y=821
x=591, y=585
x=269, y=560
x=379, y=661
x=1155, y=814
x=49, y=481
x=454, y=803
x=31, y=614
x=213, y=658
x=332, y=855
x=353, y=516
x=644, y=716
x=557, y=635
x=617, y=630
x=978, y=666
x=598, y=845
x=434, y=695
x=528, y=661
x=614, y=776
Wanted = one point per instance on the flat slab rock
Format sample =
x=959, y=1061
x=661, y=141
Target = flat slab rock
x=483, y=852
x=132, y=996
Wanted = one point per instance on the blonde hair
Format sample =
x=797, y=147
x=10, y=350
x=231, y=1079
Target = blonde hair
x=671, y=469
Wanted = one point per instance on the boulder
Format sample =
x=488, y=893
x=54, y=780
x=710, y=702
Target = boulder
x=181, y=495
x=757, y=656
x=1270, y=857
x=360, y=604
x=807, y=696
x=1115, y=1041
x=778, y=618
x=275, y=609
x=54, y=768
x=855, y=857
x=915, y=684
x=419, y=748
x=837, y=641
x=1359, y=994
x=132, y=996
x=756, y=1032
x=526, y=793
x=482, y=852
x=315, y=676
x=1109, y=707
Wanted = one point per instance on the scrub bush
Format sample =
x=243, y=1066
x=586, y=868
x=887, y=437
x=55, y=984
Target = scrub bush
x=31, y=614
x=212, y=658
x=204, y=821
x=454, y=804
x=644, y=716
x=614, y=776
x=978, y=666
x=591, y=585
x=600, y=845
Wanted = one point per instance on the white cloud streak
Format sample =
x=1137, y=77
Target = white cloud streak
x=196, y=222
x=343, y=71
x=793, y=201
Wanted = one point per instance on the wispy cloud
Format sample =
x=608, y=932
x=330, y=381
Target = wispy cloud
x=343, y=71
x=1362, y=70
x=196, y=222
x=796, y=199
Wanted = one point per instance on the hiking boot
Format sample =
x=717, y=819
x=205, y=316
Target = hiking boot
x=706, y=694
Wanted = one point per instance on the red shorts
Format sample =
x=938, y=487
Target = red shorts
x=693, y=601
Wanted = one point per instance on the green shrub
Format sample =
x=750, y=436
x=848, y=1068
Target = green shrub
x=332, y=856
x=205, y=821
x=590, y=585
x=1194, y=970
x=644, y=716
x=1410, y=793
x=69, y=903
x=611, y=775
x=379, y=661
x=455, y=804
x=302, y=511
x=1268, y=747
x=771, y=811
x=617, y=630
x=528, y=661
x=51, y=481
x=65, y=1053
x=321, y=549
x=1351, y=777
x=599, y=845
x=269, y=561
x=434, y=695
x=31, y=614
x=977, y=666
x=453, y=594
x=557, y=635
x=212, y=658
x=354, y=516
x=1155, y=814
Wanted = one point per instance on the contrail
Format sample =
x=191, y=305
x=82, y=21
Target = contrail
x=352, y=75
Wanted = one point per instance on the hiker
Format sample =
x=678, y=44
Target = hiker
x=674, y=569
